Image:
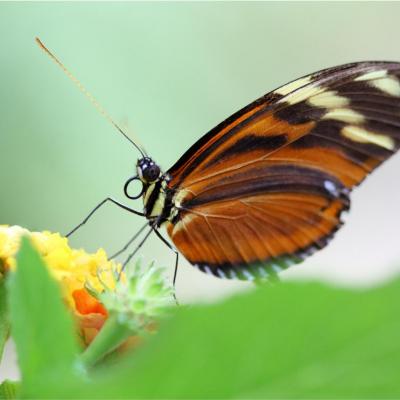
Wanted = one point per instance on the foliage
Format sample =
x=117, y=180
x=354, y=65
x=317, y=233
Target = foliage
x=4, y=324
x=289, y=340
x=8, y=390
x=41, y=328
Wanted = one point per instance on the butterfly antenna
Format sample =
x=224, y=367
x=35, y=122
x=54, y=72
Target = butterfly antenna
x=88, y=94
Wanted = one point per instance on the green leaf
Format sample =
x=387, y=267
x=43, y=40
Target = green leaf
x=292, y=340
x=4, y=324
x=41, y=326
x=9, y=390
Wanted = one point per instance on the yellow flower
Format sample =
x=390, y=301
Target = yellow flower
x=74, y=269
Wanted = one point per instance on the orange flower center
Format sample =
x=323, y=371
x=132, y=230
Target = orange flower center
x=85, y=303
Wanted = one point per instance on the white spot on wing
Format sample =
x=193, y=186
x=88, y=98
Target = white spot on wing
x=389, y=85
x=232, y=274
x=328, y=99
x=302, y=94
x=221, y=273
x=345, y=115
x=330, y=187
x=290, y=87
x=276, y=267
x=361, y=135
x=372, y=75
x=248, y=275
x=207, y=269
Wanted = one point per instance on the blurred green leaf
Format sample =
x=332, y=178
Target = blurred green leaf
x=41, y=327
x=293, y=340
x=4, y=324
x=8, y=390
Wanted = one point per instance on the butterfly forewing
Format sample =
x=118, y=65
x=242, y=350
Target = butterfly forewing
x=266, y=187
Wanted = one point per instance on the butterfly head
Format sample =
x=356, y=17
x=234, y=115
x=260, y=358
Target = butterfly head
x=148, y=171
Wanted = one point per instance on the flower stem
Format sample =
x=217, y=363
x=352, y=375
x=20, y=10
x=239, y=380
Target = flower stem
x=111, y=335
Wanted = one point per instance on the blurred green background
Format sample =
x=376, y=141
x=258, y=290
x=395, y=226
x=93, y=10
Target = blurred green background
x=169, y=72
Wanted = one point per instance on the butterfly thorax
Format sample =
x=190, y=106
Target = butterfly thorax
x=158, y=201
x=157, y=196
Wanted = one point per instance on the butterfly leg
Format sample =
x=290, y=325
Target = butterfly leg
x=174, y=250
x=130, y=242
x=97, y=207
x=136, y=249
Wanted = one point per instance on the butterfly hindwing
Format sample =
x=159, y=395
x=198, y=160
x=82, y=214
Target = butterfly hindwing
x=266, y=187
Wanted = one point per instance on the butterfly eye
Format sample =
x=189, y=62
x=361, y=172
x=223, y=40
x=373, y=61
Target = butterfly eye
x=128, y=183
x=151, y=173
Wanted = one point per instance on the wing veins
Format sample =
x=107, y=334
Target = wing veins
x=292, y=206
x=307, y=221
x=204, y=215
x=217, y=240
x=298, y=227
x=277, y=227
x=263, y=242
x=348, y=146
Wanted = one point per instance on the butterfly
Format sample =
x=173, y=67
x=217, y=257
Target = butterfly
x=266, y=188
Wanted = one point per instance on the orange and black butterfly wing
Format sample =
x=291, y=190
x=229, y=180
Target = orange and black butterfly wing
x=266, y=187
